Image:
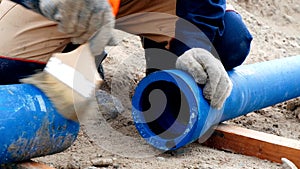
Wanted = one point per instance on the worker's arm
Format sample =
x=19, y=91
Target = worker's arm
x=80, y=19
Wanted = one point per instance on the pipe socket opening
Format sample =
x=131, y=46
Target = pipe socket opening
x=165, y=110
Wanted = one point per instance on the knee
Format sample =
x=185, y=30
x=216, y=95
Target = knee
x=233, y=46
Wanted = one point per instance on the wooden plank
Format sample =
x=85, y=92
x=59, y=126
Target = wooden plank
x=34, y=165
x=26, y=165
x=253, y=143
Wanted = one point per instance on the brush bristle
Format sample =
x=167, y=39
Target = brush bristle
x=66, y=101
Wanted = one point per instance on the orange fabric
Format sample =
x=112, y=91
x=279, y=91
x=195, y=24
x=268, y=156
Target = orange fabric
x=115, y=4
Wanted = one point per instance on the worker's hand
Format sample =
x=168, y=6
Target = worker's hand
x=208, y=71
x=80, y=19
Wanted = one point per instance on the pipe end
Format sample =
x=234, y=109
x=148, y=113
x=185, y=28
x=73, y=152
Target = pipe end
x=166, y=108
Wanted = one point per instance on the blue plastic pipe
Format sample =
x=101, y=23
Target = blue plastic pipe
x=30, y=126
x=169, y=110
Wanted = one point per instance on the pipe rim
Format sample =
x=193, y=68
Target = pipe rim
x=190, y=90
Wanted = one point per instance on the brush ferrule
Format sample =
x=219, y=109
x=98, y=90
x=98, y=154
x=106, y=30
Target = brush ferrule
x=70, y=76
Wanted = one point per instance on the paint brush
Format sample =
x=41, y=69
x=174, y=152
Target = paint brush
x=69, y=80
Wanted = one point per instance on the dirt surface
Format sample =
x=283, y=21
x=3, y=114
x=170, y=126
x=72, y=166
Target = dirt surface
x=275, y=26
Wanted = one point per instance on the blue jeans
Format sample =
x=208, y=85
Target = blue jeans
x=221, y=32
x=12, y=70
x=233, y=46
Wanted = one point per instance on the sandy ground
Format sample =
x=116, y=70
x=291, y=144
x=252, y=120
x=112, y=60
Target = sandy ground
x=275, y=26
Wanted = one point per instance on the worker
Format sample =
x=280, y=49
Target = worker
x=223, y=42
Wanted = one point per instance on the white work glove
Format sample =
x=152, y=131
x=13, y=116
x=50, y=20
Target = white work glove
x=81, y=19
x=207, y=71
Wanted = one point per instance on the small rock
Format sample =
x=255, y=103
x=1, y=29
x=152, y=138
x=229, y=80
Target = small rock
x=73, y=164
x=291, y=106
x=99, y=155
x=248, y=123
x=109, y=105
x=102, y=162
x=160, y=158
x=116, y=166
x=91, y=167
x=297, y=112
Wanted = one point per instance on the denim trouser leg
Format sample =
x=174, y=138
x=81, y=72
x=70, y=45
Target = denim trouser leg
x=12, y=70
x=224, y=30
x=233, y=45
